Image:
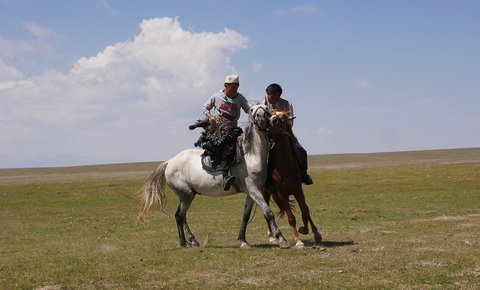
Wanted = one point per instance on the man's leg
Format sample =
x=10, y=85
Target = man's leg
x=228, y=180
x=303, y=163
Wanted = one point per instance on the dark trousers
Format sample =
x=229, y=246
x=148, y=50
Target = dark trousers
x=302, y=159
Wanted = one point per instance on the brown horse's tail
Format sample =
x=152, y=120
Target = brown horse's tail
x=153, y=191
x=283, y=203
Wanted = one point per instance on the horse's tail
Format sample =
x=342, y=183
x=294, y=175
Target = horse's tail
x=283, y=203
x=153, y=190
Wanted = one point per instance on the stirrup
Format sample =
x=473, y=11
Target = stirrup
x=228, y=181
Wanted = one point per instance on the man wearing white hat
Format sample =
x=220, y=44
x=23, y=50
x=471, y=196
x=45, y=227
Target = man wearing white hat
x=227, y=103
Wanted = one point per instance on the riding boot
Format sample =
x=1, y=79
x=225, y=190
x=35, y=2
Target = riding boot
x=307, y=179
x=199, y=123
x=303, y=164
x=228, y=180
x=229, y=157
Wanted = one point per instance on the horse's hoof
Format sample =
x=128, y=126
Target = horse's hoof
x=284, y=244
x=195, y=244
x=299, y=245
x=273, y=241
x=318, y=238
x=303, y=230
x=244, y=245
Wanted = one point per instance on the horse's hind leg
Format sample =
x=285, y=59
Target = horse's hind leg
x=316, y=233
x=305, y=213
x=181, y=219
x=306, y=218
x=190, y=236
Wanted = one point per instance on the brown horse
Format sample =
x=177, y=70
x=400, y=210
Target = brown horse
x=284, y=177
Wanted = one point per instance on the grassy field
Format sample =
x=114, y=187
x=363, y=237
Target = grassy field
x=407, y=220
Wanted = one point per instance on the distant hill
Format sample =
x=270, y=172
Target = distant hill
x=405, y=158
x=316, y=162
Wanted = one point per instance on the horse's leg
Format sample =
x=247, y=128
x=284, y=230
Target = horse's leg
x=247, y=210
x=258, y=198
x=316, y=234
x=293, y=223
x=271, y=238
x=306, y=218
x=181, y=219
x=190, y=236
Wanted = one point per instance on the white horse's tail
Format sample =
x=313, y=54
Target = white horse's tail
x=153, y=191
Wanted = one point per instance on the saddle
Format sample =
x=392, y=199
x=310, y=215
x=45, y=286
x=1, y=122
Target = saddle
x=219, y=141
x=212, y=163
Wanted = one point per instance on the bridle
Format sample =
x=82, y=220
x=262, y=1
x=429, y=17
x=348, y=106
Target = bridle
x=280, y=123
x=266, y=115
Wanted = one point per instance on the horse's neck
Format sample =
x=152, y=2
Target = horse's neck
x=262, y=144
x=256, y=145
x=285, y=145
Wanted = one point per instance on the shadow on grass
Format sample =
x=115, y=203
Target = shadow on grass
x=308, y=244
x=332, y=244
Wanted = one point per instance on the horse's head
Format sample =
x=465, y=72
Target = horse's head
x=259, y=115
x=281, y=121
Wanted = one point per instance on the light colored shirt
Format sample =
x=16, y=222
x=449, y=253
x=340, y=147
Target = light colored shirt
x=226, y=107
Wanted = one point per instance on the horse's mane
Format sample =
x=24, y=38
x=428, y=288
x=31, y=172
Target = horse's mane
x=292, y=138
x=247, y=138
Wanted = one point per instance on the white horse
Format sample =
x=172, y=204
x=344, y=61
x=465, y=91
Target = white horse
x=185, y=176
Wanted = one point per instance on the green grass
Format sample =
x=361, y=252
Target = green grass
x=394, y=227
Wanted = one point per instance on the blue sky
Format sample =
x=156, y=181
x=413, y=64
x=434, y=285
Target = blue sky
x=89, y=82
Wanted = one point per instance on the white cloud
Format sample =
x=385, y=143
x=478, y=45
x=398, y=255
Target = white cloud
x=105, y=5
x=306, y=9
x=23, y=49
x=366, y=84
x=299, y=9
x=13, y=48
x=38, y=30
x=8, y=73
x=257, y=68
x=129, y=102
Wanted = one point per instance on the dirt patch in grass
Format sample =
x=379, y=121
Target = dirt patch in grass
x=50, y=287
